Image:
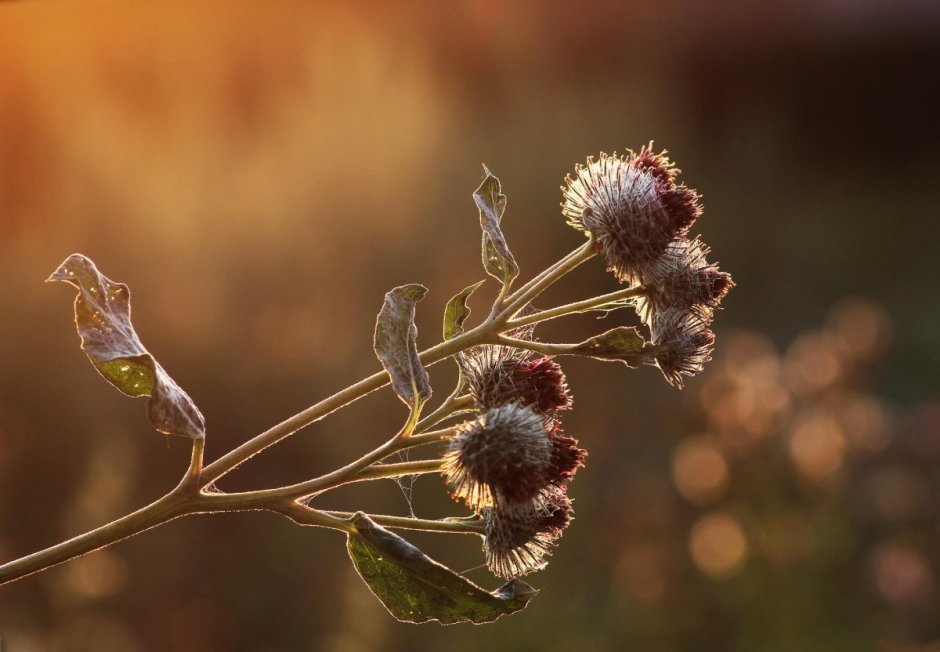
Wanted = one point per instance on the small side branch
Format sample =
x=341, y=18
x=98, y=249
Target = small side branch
x=380, y=471
x=578, y=307
x=454, y=525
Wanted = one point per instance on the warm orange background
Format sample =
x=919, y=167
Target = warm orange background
x=261, y=173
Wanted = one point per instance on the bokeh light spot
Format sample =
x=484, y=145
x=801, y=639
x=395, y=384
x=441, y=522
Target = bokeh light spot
x=699, y=470
x=817, y=446
x=901, y=573
x=718, y=545
x=99, y=575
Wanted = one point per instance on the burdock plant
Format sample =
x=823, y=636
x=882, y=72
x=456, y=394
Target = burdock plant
x=502, y=452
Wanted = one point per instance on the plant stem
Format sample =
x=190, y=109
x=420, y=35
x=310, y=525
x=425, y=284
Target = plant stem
x=397, y=470
x=345, y=474
x=545, y=272
x=167, y=508
x=195, y=492
x=454, y=525
x=576, y=307
x=304, y=515
x=518, y=300
x=539, y=347
x=451, y=407
x=316, y=412
x=482, y=333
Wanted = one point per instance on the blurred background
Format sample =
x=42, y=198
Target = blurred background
x=261, y=173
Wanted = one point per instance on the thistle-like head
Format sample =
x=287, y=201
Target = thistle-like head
x=632, y=206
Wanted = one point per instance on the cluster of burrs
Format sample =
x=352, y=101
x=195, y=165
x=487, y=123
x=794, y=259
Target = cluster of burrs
x=639, y=217
x=512, y=463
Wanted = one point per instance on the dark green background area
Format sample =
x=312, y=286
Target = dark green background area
x=261, y=175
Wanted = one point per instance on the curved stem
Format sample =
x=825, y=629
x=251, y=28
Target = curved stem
x=190, y=481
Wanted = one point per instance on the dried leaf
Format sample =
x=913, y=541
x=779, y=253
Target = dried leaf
x=416, y=589
x=103, y=320
x=456, y=312
x=396, y=344
x=623, y=343
x=497, y=259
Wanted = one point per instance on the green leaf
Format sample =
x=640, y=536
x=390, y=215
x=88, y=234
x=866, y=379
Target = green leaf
x=396, y=344
x=624, y=344
x=415, y=588
x=103, y=320
x=456, y=312
x=497, y=259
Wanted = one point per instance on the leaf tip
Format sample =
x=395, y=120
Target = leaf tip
x=70, y=267
x=516, y=590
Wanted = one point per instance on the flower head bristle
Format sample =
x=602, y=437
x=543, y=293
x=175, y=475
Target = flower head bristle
x=497, y=375
x=567, y=458
x=658, y=165
x=683, y=343
x=519, y=541
x=681, y=279
x=631, y=206
x=502, y=458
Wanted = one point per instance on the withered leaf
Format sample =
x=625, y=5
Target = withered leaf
x=623, y=343
x=103, y=320
x=457, y=311
x=396, y=344
x=498, y=261
x=416, y=589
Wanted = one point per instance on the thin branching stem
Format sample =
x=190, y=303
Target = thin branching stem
x=576, y=307
x=341, y=399
x=306, y=515
x=459, y=525
x=453, y=406
x=538, y=278
x=397, y=470
x=345, y=474
x=544, y=348
x=522, y=297
x=196, y=492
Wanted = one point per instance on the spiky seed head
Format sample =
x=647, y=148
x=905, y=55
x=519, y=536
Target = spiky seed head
x=632, y=206
x=502, y=458
x=519, y=541
x=567, y=458
x=683, y=343
x=683, y=278
x=497, y=375
x=541, y=383
x=658, y=165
